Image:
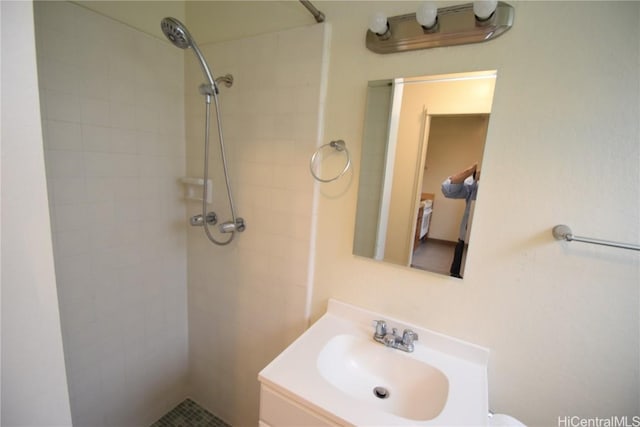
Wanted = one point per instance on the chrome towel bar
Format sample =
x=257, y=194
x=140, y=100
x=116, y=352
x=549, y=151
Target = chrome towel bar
x=563, y=232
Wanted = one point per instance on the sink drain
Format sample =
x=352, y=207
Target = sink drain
x=380, y=392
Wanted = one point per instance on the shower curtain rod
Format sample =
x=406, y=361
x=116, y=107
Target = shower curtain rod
x=315, y=12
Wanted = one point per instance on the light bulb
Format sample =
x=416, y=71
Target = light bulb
x=378, y=23
x=484, y=8
x=427, y=14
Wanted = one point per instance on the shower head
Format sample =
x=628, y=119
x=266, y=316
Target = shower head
x=178, y=34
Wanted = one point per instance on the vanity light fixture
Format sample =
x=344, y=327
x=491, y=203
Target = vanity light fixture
x=427, y=16
x=429, y=27
x=484, y=9
x=379, y=25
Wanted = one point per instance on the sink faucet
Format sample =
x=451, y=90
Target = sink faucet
x=392, y=339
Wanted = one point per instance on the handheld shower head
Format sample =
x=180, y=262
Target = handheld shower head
x=178, y=34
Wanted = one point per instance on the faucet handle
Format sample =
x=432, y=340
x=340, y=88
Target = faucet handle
x=408, y=337
x=381, y=328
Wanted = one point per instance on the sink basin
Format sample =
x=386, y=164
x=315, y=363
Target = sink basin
x=384, y=377
x=336, y=370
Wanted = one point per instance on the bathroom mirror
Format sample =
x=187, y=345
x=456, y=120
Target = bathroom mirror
x=418, y=132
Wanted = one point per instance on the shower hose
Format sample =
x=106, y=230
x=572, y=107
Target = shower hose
x=206, y=169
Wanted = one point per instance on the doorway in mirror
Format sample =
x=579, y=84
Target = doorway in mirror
x=453, y=143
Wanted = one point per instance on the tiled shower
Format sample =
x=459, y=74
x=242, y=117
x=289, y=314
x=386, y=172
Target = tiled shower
x=114, y=149
x=151, y=312
x=248, y=301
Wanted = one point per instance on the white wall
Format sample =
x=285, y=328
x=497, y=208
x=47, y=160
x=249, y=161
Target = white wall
x=248, y=300
x=113, y=110
x=561, y=319
x=34, y=385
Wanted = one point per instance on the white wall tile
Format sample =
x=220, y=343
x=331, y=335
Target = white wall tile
x=100, y=164
x=60, y=16
x=147, y=118
x=65, y=164
x=63, y=135
x=100, y=214
x=123, y=116
x=124, y=141
x=95, y=111
x=69, y=243
x=74, y=275
x=61, y=76
x=96, y=138
x=92, y=77
x=123, y=91
x=262, y=292
x=100, y=189
x=70, y=217
x=61, y=43
x=111, y=166
x=62, y=106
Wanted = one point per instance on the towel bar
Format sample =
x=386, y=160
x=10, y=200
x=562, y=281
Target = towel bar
x=563, y=232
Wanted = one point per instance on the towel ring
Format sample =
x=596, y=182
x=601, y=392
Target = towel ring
x=339, y=145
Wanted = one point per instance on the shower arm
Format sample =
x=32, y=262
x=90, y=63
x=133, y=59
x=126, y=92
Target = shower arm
x=319, y=16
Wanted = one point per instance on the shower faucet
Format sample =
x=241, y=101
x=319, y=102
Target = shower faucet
x=392, y=339
x=230, y=226
x=198, y=220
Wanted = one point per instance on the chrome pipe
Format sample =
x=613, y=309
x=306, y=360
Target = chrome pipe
x=563, y=232
x=319, y=16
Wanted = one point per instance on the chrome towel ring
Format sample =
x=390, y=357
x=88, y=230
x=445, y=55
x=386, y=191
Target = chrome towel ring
x=340, y=146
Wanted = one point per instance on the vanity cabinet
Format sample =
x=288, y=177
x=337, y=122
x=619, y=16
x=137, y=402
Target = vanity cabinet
x=278, y=410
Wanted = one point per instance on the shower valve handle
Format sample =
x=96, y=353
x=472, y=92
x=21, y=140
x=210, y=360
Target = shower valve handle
x=197, y=220
x=230, y=226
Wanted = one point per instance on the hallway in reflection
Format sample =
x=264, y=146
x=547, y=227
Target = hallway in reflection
x=436, y=256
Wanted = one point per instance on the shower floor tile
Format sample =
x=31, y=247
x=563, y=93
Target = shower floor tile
x=189, y=414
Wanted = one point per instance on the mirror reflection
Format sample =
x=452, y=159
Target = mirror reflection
x=420, y=169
